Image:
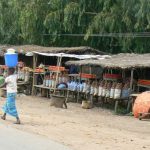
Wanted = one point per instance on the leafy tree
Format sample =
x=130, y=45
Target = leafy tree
x=54, y=23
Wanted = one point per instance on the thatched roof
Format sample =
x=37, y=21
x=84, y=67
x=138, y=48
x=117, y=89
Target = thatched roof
x=67, y=50
x=122, y=61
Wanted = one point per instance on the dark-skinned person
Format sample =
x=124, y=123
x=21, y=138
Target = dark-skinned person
x=11, y=87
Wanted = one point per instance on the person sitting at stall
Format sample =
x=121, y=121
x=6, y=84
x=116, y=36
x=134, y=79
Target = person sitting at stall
x=73, y=69
x=11, y=87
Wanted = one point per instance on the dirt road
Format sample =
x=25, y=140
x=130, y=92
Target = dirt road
x=80, y=129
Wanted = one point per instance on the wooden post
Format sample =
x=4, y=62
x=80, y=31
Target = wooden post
x=78, y=92
x=90, y=70
x=80, y=72
x=116, y=105
x=59, y=64
x=34, y=67
x=131, y=80
x=123, y=74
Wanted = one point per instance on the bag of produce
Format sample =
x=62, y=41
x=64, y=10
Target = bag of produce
x=88, y=86
x=117, y=93
x=108, y=90
x=84, y=86
x=92, y=88
x=104, y=89
x=81, y=87
x=96, y=88
x=112, y=90
x=100, y=88
x=125, y=91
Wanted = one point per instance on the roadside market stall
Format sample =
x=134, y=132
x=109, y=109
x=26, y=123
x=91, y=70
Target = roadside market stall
x=121, y=75
x=25, y=56
x=53, y=77
x=23, y=69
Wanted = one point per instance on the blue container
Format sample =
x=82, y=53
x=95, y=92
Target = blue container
x=11, y=60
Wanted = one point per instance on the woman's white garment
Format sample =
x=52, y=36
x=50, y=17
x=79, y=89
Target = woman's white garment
x=11, y=82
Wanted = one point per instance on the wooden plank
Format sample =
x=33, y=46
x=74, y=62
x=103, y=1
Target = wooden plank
x=146, y=86
x=42, y=87
x=36, y=73
x=73, y=75
x=23, y=83
x=45, y=87
x=134, y=95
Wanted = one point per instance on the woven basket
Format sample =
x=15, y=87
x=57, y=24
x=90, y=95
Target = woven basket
x=87, y=104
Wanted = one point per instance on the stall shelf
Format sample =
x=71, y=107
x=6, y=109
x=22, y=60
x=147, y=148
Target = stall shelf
x=49, y=89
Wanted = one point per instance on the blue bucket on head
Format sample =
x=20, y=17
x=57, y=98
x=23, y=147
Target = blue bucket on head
x=11, y=60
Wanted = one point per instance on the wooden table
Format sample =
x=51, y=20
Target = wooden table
x=120, y=100
x=145, y=86
x=26, y=86
x=73, y=93
x=19, y=84
x=131, y=101
x=50, y=90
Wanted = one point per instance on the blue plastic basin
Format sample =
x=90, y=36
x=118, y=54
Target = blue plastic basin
x=11, y=60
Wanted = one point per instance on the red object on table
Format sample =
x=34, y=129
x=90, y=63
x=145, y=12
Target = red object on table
x=144, y=82
x=112, y=76
x=56, y=68
x=142, y=104
x=90, y=76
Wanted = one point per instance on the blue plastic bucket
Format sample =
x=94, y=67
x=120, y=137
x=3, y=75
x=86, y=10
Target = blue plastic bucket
x=11, y=60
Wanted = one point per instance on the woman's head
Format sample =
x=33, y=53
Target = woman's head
x=11, y=71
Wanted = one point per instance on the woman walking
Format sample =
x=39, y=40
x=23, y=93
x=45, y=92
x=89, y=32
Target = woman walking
x=11, y=87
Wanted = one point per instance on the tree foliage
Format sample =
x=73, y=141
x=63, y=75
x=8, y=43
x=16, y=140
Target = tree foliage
x=52, y=22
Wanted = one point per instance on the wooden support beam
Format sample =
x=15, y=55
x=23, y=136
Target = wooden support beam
x=34, y=67
x=131, y=80
x=58, y=64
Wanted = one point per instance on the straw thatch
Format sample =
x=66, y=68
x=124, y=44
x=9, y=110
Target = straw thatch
x=122, y=61
x=67, y=50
